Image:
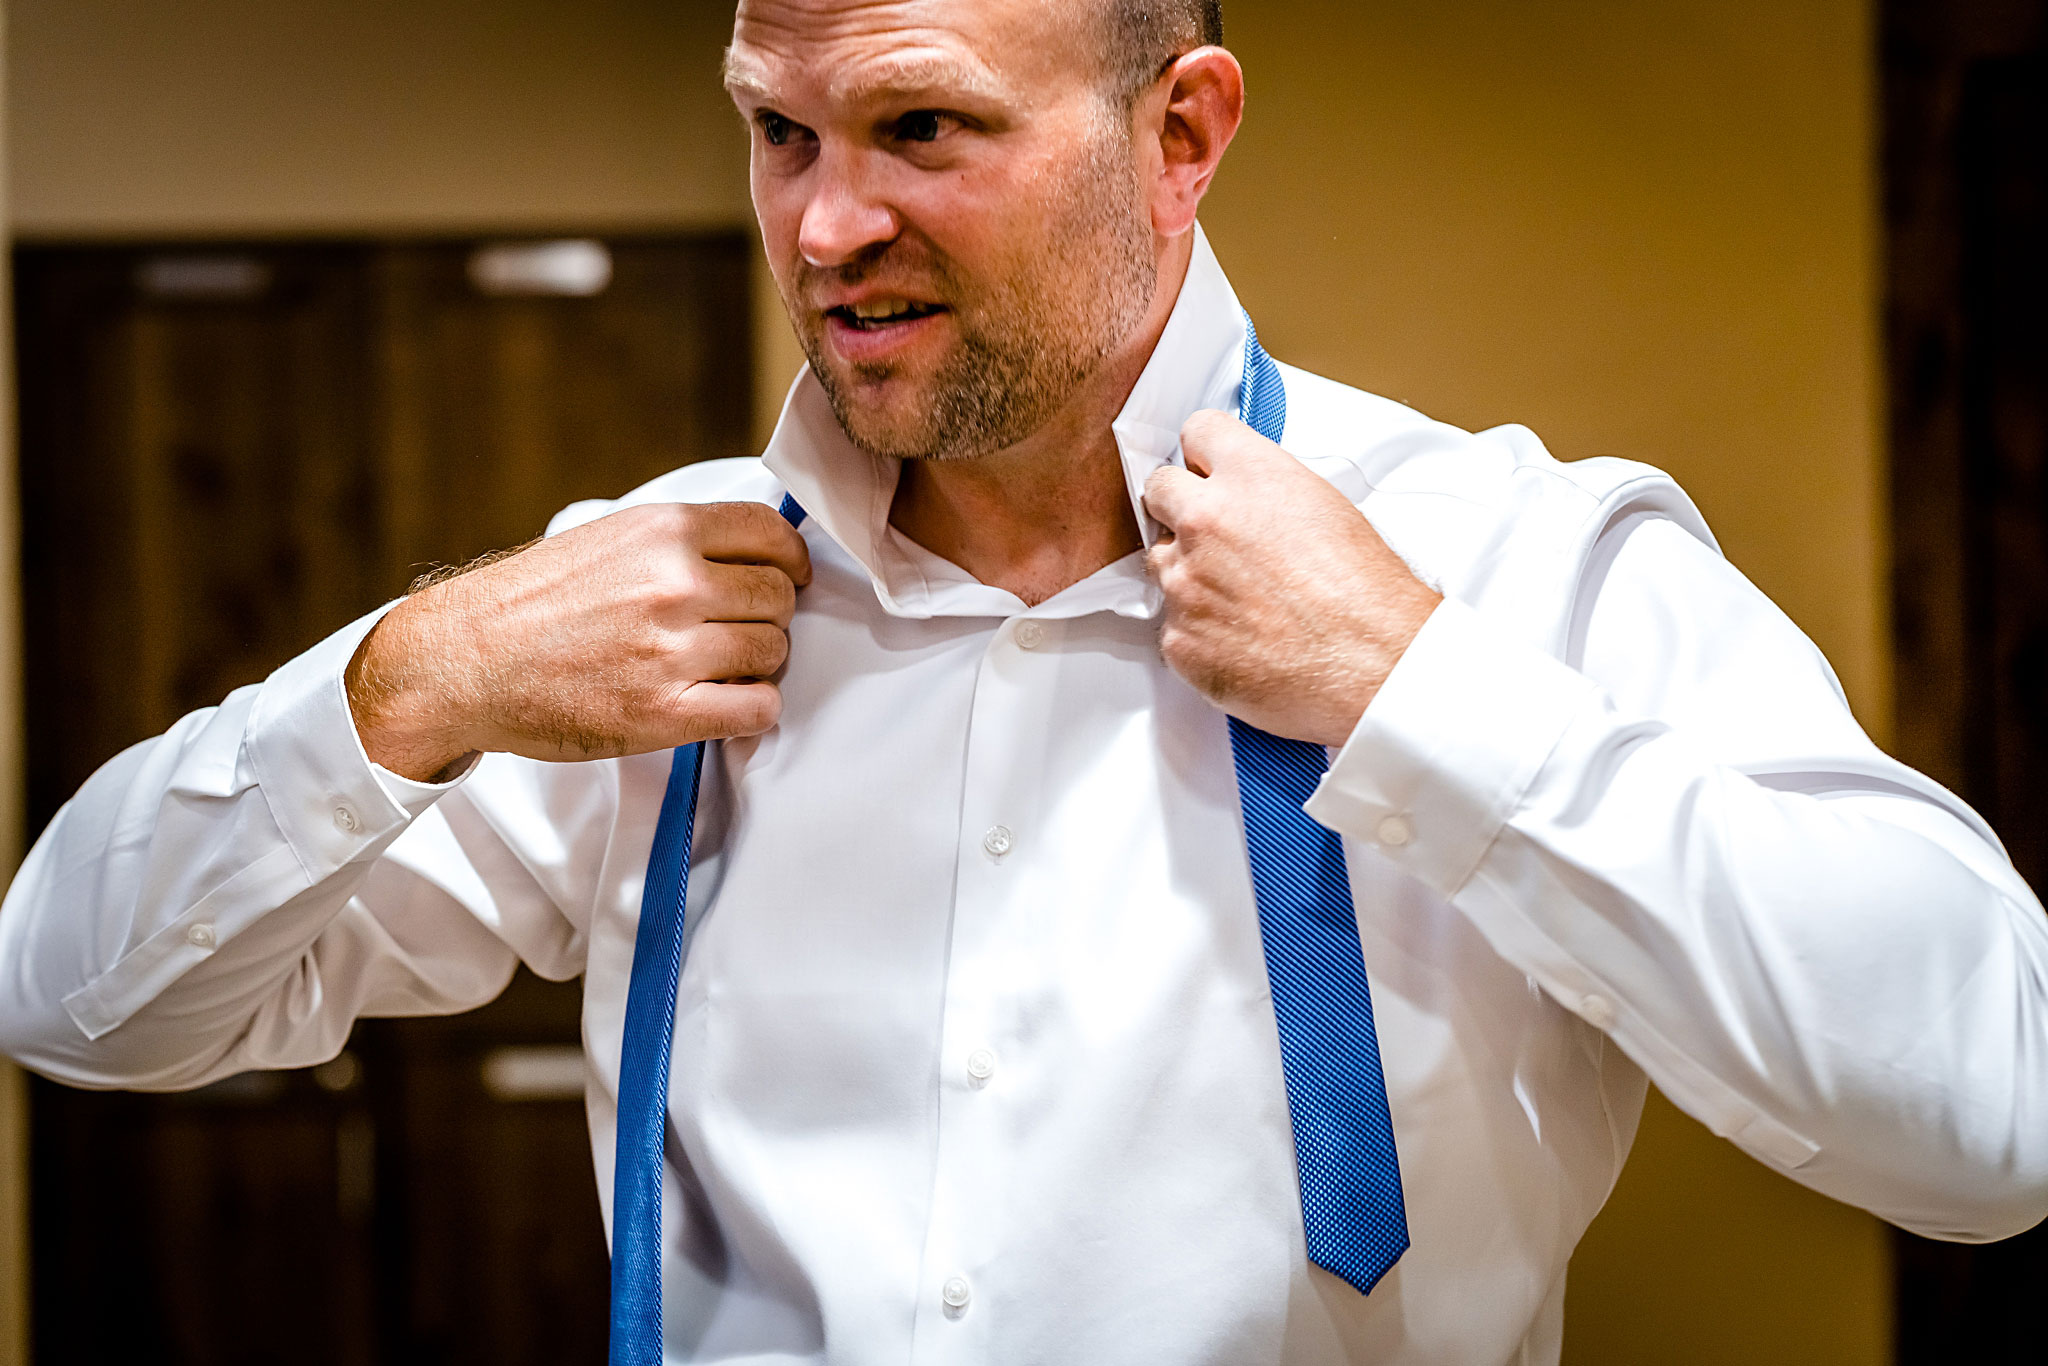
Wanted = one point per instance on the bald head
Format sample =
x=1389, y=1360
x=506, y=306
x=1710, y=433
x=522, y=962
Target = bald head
x=1142, y=36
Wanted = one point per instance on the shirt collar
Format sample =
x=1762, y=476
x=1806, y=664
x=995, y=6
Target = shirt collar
x=1198, y=363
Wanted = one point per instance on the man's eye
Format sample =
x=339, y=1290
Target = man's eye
x=776, y=129
x=922, y=126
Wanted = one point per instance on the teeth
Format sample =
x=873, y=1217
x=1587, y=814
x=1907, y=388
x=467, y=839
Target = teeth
x=876, y=309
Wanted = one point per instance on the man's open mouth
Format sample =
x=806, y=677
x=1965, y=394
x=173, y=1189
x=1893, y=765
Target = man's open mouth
x=878, y=313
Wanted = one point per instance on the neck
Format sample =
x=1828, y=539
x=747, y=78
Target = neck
x=1052, y=509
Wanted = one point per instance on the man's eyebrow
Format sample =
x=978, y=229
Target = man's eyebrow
x=743, y=78
x=916, y=75
x=875, y=82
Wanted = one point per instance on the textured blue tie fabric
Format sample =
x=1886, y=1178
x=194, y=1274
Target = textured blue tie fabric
x=643, y=1062
x=1351, y=1207
x=1352, y=1213
x=643, y=1073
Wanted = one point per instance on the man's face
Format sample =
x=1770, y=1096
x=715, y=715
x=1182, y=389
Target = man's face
x=950, y=201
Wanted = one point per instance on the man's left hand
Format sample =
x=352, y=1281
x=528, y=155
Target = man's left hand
x=1283, y=605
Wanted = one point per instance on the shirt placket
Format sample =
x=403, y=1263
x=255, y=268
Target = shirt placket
x=960, y=1297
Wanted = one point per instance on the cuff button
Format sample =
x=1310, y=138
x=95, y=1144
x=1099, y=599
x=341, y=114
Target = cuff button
x=200, y=936
x=345, y=820
x=1395, y=832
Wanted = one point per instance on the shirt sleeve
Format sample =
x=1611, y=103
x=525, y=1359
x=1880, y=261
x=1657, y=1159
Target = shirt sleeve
x=236, y=892
x=1680, y=833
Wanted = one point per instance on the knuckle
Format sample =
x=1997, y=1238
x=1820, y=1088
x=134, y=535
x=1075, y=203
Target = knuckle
x=678, y=705
x=681, y=520
x=1205, y=426
x=751, y=519
x=657, y=700
x=686, y=586
x=770, y=593
x=690, y=650
x=768, y=649
x=748, y=594
x=701, y=580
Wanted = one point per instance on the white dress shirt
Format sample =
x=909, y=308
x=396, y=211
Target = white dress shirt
x=974, y=1056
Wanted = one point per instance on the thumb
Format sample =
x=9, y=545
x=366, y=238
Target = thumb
x=1211, y=441
x=1169, y=495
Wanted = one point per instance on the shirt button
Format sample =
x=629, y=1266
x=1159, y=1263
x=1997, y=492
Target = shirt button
x=956, y=1293
x=981, y=1064
x=200, y=936
x=1030, y=635
x=1394, y=832
x=1597, y=1011
x=998, y=841
x=345, y=820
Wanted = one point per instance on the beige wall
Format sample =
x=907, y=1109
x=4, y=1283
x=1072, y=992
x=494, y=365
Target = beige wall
x=322, y=115
x=1641, y=230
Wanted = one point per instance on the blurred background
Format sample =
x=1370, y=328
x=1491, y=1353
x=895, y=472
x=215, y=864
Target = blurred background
x=309, y=294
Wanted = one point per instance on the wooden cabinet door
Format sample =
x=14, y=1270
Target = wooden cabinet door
x=197, y=501
x=1966, y=84
x=498, y=410
x=229, y=450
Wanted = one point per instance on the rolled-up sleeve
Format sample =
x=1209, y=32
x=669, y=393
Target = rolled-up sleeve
x=1680, y=833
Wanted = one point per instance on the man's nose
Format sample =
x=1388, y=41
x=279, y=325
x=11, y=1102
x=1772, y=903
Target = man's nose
x=843, y=217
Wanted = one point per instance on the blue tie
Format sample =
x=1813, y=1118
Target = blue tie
x=1352, y=1214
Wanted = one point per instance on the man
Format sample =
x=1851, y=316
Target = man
x=975, y=1051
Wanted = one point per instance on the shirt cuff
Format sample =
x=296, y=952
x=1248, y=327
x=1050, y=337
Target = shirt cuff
x=330, y=802
x=1444, y=754
x=414, y=795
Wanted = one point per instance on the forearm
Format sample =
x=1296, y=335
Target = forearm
x=1854, y=987
x=235, y=892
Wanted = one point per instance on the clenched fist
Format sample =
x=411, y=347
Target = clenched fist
x=1283, y=605
x=653, y=627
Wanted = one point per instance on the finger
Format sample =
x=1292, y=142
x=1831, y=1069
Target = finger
x=722, y=651
x=1161, y=557
x=1210, y=439
x=721, y=711
x=750, y=533
x=747, y=592
x=1171, y=495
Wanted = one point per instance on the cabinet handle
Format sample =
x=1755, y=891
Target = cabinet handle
x=541, y=1072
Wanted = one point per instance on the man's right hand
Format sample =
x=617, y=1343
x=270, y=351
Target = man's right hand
x=653, y=627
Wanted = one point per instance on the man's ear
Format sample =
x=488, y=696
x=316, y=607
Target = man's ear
x=1203, y=97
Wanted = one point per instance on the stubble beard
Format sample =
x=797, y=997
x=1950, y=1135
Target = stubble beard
x=1029, y=340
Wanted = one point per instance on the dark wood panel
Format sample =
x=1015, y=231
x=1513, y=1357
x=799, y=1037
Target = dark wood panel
x=196, y=505
x=1966, y=206
x=203, y=1228
x=496, y=1203
x=2005, y=446
x=229, y=450
x=496, y=412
